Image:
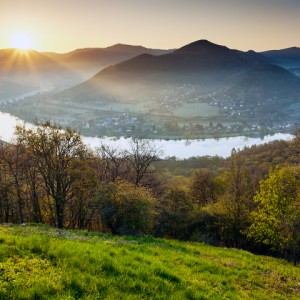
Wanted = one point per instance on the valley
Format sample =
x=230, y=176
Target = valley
x=191, y=120
x=201, y=90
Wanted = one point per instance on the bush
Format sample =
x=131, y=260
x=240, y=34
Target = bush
x=129, y=209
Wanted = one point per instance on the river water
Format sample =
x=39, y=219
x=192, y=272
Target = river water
x=179, y=148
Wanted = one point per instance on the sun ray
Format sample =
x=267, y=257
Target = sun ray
x=18, y=59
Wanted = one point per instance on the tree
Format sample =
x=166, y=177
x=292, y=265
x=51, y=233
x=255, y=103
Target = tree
x=142, y=155
x=233, y=206
x=114, y=163
x=176, y=210
x=82, y=208
x=128, y=209
x=276, y=221
x=7, y=194
x=54, y=151
x=294, y=149
x=13, y=156
x=203, y=187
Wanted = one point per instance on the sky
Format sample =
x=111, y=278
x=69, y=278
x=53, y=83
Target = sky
x=65, y=25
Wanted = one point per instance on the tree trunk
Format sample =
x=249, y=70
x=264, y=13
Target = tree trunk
x=59, y=213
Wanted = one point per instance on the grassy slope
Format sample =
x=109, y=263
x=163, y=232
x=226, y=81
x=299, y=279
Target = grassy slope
x=38, y=262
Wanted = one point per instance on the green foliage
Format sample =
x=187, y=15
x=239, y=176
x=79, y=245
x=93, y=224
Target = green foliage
x=276, y=222
x=174, y=167
x=128, y=209
x=54, y=151
x=229, y=215
x=38, y=262
x=29, y=277
x=204, y=187
x=177, y=210
x=81, y=209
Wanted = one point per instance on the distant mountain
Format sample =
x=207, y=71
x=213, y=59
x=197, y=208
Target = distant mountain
x=89, y=61
x=288, y=58
x=15, y=62
x=265, y=91
x=54, y=70
x=200, y=70
x=202, y=63
x=35, y=69
x=102, y=57
x=199, y=56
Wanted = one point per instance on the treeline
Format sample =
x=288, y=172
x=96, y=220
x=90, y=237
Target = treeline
x=249, y=201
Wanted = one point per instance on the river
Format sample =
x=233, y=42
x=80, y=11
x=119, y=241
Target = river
x=180, y=148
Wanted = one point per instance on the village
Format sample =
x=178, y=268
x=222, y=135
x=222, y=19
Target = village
x=181, y=113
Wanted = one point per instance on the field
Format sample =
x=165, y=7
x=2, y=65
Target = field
x=38, y=262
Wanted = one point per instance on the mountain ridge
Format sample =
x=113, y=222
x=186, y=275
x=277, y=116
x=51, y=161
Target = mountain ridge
x=229, y=77
x=288, y=58
x=54, y=70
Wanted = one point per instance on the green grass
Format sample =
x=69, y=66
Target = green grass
x=39, y=262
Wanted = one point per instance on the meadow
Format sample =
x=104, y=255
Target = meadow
x=41, y=262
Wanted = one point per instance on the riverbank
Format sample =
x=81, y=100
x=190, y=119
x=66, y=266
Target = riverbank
x=181, y=149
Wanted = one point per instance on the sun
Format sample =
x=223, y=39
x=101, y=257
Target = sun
x=22, y=41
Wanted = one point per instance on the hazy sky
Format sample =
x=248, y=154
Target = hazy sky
x=64, y=25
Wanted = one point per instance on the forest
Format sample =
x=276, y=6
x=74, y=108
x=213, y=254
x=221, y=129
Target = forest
x=249, y=201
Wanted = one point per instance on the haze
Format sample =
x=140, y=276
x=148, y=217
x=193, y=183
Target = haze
x=63, y=26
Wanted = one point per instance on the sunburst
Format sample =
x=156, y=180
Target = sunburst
x=22, y=41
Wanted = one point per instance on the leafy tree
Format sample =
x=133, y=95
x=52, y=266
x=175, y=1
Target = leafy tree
x=232, y=208
x=54, y=151
x=13, y=156
x=294, y=149
x=276, y=221
x=7, y=194
x=128, y=209
x=176, y=210
x=82, y=208
x=203, y=186
x=34, y=190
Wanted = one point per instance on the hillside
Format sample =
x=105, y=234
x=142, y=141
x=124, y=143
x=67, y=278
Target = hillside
x=36, y=69
x=288, y=58
x=58, y=71
x=98, y=58
x=10, y=90
x=201, y=72
x=38, y=262
x=203, y=64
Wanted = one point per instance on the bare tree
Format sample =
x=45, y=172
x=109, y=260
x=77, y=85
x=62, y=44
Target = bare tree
x=141, y=156
x=113, y=162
